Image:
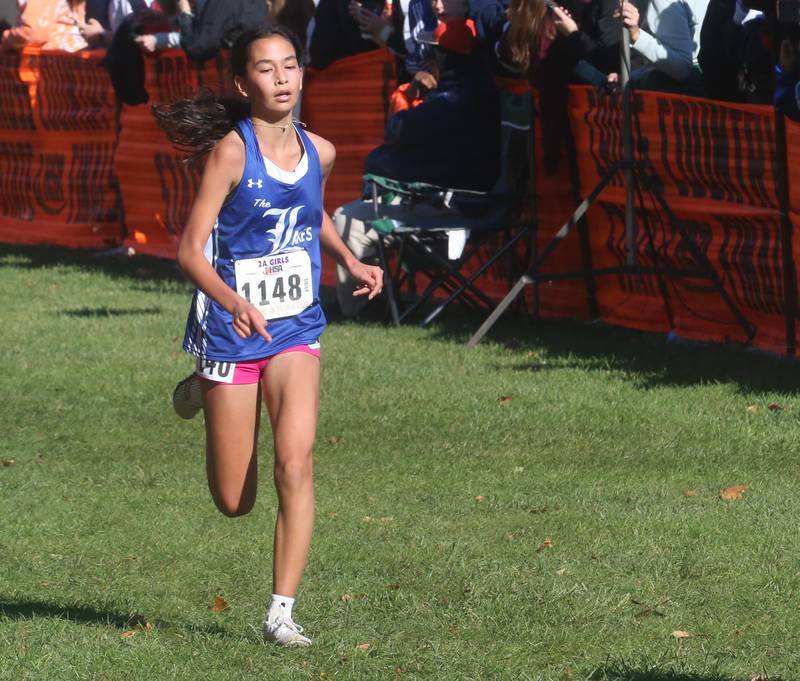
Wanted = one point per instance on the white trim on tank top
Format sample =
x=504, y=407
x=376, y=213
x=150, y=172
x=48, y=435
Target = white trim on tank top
x=288, y=176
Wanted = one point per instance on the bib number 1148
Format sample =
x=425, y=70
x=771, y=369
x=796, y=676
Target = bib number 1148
x=279, y=286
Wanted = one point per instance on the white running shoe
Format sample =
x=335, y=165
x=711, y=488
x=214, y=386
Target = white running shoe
x=284, y=632
x=187, y=398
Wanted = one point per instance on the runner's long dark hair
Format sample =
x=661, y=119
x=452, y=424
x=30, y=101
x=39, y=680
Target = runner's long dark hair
x=195, y=125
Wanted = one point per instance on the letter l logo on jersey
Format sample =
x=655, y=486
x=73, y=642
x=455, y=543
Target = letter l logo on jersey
x=283, y=234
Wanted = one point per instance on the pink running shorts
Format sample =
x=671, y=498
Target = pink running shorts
x=245, y=373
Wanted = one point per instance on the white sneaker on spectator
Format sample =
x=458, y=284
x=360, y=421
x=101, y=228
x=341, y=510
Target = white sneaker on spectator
x=187, y=398
x=282, y=631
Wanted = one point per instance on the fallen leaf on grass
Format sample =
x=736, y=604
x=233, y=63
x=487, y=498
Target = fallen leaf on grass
x=325, y=675
x=138, y=624
x=689, y=493
x=752, y=408
x=759, y=677
x=352, y=597
x=774, y=407
x=393, y=587
x=519, y=469
x=397, y=672
x=333, y=439
x=504, y=399
x=561, y=571
x=567, y=673
x=680, y=634
x=363, y=646
x=546, y=544
x=733, y=492
x=333, y=515
x=7, y=462
x=218, y=605
x=480, y=498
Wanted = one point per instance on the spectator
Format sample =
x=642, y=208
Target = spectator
x=591, y=39
x=294, y=15
x=337, y=34
x=427, y=143
x=670, y=45
x=49, y=24
x=217, y=24
x=9, y=13
x=787, y=81
x=400, y=31
x=137, y=27
x=451, y=139
x=148, y=16
x=736, y=54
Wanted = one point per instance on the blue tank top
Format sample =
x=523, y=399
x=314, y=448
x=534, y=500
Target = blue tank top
x=265, y=216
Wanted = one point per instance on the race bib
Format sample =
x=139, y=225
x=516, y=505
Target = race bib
x=278, y=285
x=221, y=372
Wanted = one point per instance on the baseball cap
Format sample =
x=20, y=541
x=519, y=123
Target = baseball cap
x=454, y=35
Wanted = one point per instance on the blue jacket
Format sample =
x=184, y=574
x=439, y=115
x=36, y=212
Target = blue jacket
x=451, y=139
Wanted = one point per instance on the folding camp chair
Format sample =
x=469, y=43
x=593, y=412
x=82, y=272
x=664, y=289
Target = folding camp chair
x=439, y=231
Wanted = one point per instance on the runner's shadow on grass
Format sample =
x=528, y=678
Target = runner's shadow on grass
x=99, y=312
x=81, y=614
x=148, y=273
x=631, y=674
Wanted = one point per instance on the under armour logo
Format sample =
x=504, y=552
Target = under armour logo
x=254, y=183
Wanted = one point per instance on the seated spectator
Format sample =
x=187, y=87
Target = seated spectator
x=427, y=143
x=669, y=45
x=450, y=139
x=217, y=24
x=49, y=24
x=736, y=54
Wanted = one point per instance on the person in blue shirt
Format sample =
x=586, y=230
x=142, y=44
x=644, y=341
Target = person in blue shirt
x=251, y=245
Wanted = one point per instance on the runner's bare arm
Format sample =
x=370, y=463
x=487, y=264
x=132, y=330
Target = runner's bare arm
x=369, y=276
x=222, y=173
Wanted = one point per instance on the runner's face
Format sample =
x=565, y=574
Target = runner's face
x=274, y=78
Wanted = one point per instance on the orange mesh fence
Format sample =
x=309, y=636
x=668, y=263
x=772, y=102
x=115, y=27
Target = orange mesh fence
x=714, y=163
x=157, y=186
x=76, y=172
x=57, y=137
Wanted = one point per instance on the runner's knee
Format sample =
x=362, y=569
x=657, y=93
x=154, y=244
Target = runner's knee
x=233, y=506
x=293, y=474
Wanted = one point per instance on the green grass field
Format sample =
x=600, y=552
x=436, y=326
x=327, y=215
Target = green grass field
x=565, y=533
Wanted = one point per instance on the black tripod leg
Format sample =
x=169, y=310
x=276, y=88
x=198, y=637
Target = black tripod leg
x=492, y=318
x=525, y=279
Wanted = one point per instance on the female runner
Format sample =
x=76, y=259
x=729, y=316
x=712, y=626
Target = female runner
x=252, y=248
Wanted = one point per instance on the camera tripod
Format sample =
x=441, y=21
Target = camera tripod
x=633, y=171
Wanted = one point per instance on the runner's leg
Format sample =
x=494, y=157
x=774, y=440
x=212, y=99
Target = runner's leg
x=291, y=391
x=232, y=419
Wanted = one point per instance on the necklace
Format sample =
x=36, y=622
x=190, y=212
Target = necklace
x=282, y=127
